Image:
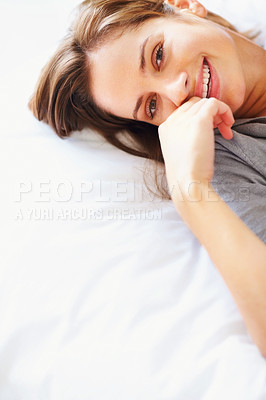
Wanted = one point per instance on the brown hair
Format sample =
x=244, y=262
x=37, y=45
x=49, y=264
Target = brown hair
x=62, y=97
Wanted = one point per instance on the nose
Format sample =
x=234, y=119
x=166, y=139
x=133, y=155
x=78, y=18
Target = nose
x=176, y=90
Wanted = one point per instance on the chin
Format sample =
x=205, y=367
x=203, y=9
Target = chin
x=236, y=106
x=236, y=100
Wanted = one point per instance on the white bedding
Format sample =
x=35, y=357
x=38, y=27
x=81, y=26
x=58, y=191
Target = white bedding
x=105, y=294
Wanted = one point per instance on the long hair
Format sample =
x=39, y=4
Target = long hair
x=62, y=97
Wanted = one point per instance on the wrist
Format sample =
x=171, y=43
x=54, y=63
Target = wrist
x=191, y=190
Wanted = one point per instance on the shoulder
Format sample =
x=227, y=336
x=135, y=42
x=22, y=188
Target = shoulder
x=245, y=153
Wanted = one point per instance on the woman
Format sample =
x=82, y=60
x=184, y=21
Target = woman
x=140, y=64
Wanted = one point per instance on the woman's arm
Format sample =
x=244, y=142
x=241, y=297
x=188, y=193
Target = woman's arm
x=187, y=141
x=238, y=254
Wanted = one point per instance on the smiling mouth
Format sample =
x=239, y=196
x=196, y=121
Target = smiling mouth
x=206, y=80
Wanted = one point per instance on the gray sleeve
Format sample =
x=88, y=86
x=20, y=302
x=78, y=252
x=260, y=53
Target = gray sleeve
x=240, y=183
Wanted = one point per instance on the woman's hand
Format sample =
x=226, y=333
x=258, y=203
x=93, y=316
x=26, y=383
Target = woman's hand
x=187, y=140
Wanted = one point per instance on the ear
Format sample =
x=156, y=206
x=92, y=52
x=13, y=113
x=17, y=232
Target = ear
x=192, y=6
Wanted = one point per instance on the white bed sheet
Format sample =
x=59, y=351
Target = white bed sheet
x=105, y=294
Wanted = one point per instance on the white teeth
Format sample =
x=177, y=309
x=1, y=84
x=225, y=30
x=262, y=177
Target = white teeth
x=205, y=80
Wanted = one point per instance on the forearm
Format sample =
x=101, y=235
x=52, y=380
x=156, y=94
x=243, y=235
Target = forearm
x=238, y=254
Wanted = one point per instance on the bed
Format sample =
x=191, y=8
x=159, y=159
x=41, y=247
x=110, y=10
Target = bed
x=105, y=293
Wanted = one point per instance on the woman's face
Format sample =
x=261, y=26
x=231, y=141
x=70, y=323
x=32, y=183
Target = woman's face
x=146, y=73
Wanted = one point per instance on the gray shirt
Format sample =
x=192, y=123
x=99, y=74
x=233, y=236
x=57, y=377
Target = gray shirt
x=240, y=172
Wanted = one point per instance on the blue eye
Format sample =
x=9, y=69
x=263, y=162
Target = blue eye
x=151, y=107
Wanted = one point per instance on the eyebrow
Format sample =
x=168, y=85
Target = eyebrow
x=142, y=65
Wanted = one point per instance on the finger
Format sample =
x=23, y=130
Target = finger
x=216, y=121
x=190, y=103
x=184, y=108
x=228, y=117
x=220, y=111
x=225, y=131
x=197, y=105
x=216, y=108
